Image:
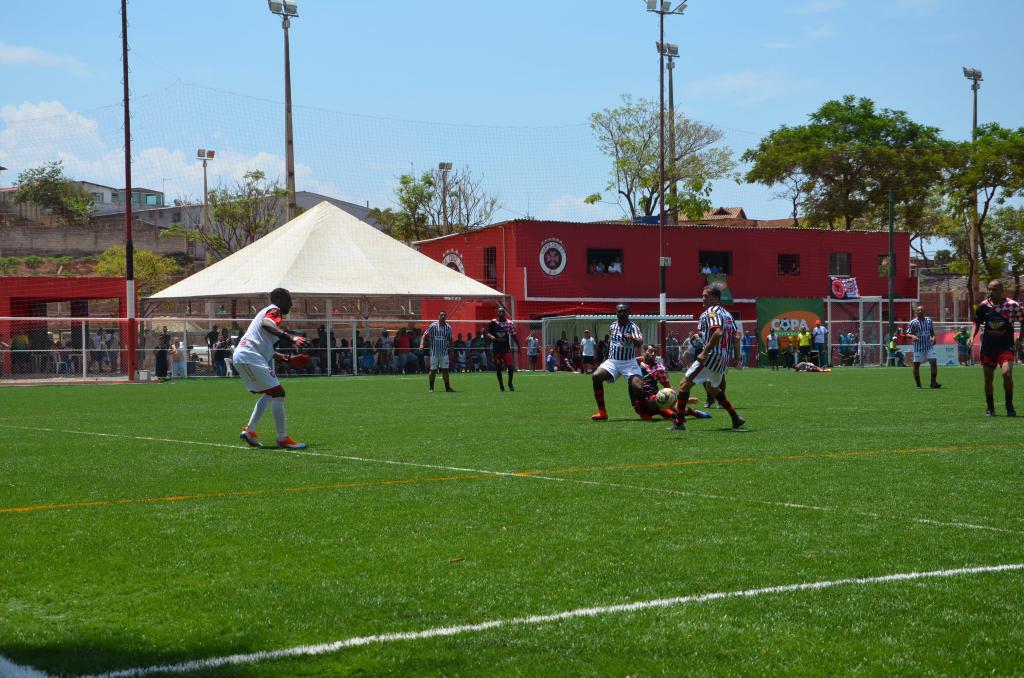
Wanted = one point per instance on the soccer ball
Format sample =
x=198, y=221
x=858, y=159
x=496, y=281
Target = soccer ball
x=666, y=398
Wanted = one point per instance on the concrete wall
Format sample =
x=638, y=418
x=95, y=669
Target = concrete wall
x=102, y=233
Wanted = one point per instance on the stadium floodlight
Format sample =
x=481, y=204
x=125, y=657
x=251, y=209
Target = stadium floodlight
x=291, y=8
x=444, y=166
x=972, y=74
x=652, y=5
x=671, y=50
x=283, y=7
x=287, y=9
x=205, y=154
x=276, y=6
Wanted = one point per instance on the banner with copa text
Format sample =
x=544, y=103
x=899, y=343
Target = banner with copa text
x=787, y=317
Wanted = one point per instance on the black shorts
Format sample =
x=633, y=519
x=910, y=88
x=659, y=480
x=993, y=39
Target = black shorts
x=588, y=360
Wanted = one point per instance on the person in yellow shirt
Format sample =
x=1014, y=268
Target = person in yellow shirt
x=804, y=339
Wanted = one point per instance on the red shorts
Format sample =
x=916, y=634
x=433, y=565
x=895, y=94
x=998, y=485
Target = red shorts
x=503, y=359
x=998, y=359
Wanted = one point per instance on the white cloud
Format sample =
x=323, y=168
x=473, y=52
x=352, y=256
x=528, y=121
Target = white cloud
x=16, y=55
x=563, y=207
x=818, y=33
x=817, y=7
x=748, y=88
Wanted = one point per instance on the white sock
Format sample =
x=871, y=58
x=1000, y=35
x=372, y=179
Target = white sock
x=257, y=412
x=277, y=407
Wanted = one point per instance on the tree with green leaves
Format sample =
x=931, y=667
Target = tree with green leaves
x=48, y=187
x=239, y=216
x=1006, y=242
x=436, y=204
x=840, y=166
x=628, y=134
x=988, y=171
x=152, y=271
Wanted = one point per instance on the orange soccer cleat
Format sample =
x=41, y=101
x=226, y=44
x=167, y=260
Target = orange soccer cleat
x=250, y=437
x=290, y=444
x=600, y=415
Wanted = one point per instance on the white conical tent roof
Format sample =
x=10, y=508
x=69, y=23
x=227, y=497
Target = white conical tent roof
x=327, y=252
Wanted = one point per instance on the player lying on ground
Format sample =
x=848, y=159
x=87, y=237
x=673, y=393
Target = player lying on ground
x=811, y=367
x=252, y=360
x=643, y=389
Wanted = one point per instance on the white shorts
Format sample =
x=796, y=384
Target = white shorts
x=257, y=378
x=699, y=373
x=921, y=356
x=618, y=368
x=439, y=361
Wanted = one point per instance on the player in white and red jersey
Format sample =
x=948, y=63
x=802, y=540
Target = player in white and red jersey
x=253, y=358
x=721, y=345
x=502, y=333
x=995, y=318
x=643, y=389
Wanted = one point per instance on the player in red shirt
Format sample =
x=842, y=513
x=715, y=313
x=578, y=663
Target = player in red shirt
x=643, y=389
x=502, y=333
x=995, y=318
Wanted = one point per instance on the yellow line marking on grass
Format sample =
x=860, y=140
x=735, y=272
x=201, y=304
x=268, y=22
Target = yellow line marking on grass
x=550, y=475
x=239, y=493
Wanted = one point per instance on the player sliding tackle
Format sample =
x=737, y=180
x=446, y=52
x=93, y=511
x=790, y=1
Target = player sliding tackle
x=252, y=359
x=644, y=389
x=718, y=334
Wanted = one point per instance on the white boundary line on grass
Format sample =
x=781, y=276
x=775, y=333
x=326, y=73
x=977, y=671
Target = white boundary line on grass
x=447, y=631
x=535, y=476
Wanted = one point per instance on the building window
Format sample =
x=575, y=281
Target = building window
x=883, y=265
x=604, y=261
x=840, y=263
x=789, y=264
x=712, y=263
x=115, y=197
x=491, y=266
x=151, y=199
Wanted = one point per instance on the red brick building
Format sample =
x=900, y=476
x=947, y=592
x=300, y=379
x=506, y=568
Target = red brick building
x=550, y=268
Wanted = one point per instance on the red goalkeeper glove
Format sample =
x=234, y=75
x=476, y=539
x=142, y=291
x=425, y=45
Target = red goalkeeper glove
x=300, y=360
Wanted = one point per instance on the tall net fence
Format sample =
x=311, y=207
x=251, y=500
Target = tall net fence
x=97, y=349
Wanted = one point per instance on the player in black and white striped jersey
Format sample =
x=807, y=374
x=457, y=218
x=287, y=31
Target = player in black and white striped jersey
x=721, y=346
x=440, y=334
x=624, y=340
x=922, y=332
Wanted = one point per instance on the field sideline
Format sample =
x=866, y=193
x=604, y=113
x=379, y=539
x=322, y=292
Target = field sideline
x=860, y=526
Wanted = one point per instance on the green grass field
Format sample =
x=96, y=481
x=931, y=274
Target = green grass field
x=136, y=530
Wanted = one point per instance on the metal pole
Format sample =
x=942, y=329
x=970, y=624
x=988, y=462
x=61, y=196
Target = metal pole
x=674, y=212
x=662, y=300
x=129, y=249
x=289, y=150
x=892, y=262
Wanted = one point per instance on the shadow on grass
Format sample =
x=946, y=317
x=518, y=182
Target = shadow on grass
x=75, y=658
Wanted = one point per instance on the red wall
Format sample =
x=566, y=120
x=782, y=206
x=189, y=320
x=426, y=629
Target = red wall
x=754, y=264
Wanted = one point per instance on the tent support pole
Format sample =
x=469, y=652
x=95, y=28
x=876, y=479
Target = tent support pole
x=329, y=311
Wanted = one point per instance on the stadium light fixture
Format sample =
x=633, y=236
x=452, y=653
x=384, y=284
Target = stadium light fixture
x=671, y=50
x=287, y=9
x=972, y=73
x=444, y=166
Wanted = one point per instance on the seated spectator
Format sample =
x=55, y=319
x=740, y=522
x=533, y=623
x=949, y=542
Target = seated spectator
x=615, y=266
x=599, y=267
x=550, y=364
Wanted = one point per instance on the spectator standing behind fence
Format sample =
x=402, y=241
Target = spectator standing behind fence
x=532, y=350
x=820, y=336
x=179, y=358
x=963, y=351
x=589, y=350
x=748, y=345
x=461, y=355
x=385, y=351
x=163, y=345
x=772, y=344
x=672, y=352
x=222, y=350
x=804, y=339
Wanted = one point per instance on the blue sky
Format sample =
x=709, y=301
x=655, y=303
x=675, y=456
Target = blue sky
x=508, y=87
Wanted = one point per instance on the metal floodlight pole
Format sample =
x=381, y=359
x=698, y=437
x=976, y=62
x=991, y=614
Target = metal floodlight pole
x=287, y=9
x=671, y=55
x=129, y=249
x=974, y=75
x=892, y=262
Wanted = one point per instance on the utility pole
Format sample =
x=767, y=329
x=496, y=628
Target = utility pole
x=129, y=343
